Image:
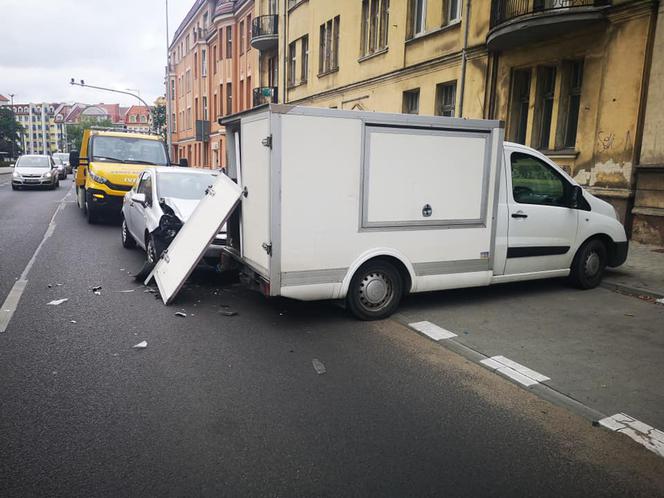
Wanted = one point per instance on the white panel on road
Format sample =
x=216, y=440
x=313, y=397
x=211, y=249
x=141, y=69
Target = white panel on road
x=644, y=434
x=514, y=375
x=432, y=330
x=191, y=242
x=521, y=369
x=492, y=364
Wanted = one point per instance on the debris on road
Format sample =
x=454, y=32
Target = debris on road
x=629, y=314
x=318, y=366
x=660, y=301
x=97, y=290
x=141, y=345
x=72, y=321
x=49, y=286
x=181, y=313
x=228, y=313
x=56, y=302
x=125, y=291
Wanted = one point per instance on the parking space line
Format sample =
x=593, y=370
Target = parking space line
x=642, y=433
x=432, y=330
x=513, y=370
x=521, y=369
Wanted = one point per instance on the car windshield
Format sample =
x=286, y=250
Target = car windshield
x=33, y=162
x=62, y=157
x=57, y=160
x=131, y=150
x=183, y=185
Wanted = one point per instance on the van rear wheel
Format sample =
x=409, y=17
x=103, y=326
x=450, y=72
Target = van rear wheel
x=588, y=265
x=375, y=291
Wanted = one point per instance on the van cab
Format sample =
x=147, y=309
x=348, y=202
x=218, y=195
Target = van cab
x=107, y=167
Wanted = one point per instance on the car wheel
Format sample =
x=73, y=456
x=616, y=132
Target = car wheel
x=14, y=187
x=375, y=291
x=128, y=241
x=90, y=212
x=588, y=264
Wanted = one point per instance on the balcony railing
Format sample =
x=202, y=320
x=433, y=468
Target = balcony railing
x=506, y=10
x=264, y=31
x=265, y=95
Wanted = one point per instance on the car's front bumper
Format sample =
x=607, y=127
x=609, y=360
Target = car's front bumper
x=618, y=254
x=102, y=200
x=32, y=182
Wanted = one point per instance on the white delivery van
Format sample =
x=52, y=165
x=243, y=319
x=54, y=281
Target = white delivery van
x=368, y=207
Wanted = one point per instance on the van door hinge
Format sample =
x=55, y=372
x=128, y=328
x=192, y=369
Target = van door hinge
x=267, y=141
x=268, y=248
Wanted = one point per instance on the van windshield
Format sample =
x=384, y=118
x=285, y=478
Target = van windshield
x=184, y=185
x=33, y=162
x=128, y=150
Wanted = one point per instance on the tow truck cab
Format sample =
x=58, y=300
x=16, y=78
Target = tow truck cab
x=107, y=167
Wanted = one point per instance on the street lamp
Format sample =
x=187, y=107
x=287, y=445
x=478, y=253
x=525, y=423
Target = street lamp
x=11, y=96
x=82, y=84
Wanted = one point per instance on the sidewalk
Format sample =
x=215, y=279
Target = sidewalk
x=5, y=170
x=642, y=273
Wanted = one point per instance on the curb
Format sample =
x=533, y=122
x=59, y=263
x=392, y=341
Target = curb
x=631, y=291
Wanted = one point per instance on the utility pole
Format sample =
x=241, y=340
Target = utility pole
x=169, y=138
x=11, y=96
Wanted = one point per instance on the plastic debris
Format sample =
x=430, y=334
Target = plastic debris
x=660, y=301
x=228, y=313
x=141, y=345
x=59, y=285
x=318, y=366
x=122, y=269
x=72, y=321
x=96, y=288
x=56, y=302
x=50, y=286
x=629, y=314
x=181, y=313
x=125, y=291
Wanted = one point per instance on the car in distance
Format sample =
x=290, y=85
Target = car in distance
x=157, y=206
x=35, y=170
x=62, y=170
x=64, y=157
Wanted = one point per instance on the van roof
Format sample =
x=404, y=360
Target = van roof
x=109, y=133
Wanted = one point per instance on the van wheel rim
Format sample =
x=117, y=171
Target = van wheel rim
x=150, y=252
x=124, y=231
x=376, y=291
x=592, y=264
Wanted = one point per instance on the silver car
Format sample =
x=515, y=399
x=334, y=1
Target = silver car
x=159, y=203
x=34, y=170
x=64, y=157
x=62, y=170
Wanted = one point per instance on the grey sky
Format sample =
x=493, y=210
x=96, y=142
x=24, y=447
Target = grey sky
x=114, y=43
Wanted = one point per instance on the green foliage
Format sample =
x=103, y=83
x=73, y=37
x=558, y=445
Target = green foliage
x=75, y=131
x=10, y=132
x=159, y=119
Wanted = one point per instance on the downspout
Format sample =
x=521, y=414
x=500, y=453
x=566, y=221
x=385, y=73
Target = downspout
x=282, y=76
x=463, y=58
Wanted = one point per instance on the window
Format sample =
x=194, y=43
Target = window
x=446, y=99
x=375, y=18
x=292, y=63
x=520, y=103
x=174, y=124
x=132, y=118
x=573, y=102
x=195, y=65
x=172, y=89
x=248, y=32
x=214, y=103
x=203, y=63
x=144, y=119
x=452, y=11
x=411, y=101
x=417, y=13
x=229, y=98
x=205, y=20
x=205, y=109
x=546, y=83
x=328, y=59
x=241, y=37
x=229, y=42
x=305, y=59
x=535, y=182
x=214, y=59
x=186, y=44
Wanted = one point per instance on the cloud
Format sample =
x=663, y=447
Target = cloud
x=118, y=44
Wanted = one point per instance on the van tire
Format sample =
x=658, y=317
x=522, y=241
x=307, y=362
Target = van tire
x=588, y=264
x=375, y=291
x=128, y=241
x=90, y=212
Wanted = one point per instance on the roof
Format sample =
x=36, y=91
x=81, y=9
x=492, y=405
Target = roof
x=181, y=170
x=3, y=98
x=138, y=110
x=108, y=133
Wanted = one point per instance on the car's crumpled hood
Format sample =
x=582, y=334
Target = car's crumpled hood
x=181, y=207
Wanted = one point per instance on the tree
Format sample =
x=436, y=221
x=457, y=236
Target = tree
x=159, y=117
x=10, y=132
x=75, y=131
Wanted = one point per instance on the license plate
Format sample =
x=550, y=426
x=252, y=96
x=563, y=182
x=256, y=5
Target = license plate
x=31, y=181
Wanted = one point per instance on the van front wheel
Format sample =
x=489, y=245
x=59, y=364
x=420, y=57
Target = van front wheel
x=588, y=265
x=375, y=291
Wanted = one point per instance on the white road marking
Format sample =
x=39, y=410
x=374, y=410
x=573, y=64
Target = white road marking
x=11, y=302
x=513, y=370
x=432, y=330
x=648, y=436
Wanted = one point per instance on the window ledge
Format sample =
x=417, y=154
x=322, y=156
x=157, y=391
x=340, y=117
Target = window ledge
x=373, y=54
x=325, y=73
x=560, y=153
x=436, y=31
x=295, y=85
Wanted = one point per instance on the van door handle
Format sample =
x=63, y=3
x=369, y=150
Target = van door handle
x=519, y=214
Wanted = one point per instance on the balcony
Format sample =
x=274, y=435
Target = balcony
x=265, y=32
x=265, y=95
x=518, y=22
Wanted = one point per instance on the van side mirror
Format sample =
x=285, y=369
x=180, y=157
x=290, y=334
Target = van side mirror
x=184, y=162
x=577, y=197
x=73, y=159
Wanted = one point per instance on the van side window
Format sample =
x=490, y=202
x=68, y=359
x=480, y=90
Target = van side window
x=535, y=182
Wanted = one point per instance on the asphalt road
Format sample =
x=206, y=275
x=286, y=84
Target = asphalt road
x=232, y=406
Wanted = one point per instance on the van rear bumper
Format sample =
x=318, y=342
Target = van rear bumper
x=618, y=253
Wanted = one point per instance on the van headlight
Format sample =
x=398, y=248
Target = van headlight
x=97, y=178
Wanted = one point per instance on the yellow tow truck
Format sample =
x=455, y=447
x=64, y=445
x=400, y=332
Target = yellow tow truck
x=108, y=165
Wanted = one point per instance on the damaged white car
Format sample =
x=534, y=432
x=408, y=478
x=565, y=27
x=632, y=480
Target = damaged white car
x=161, y=200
